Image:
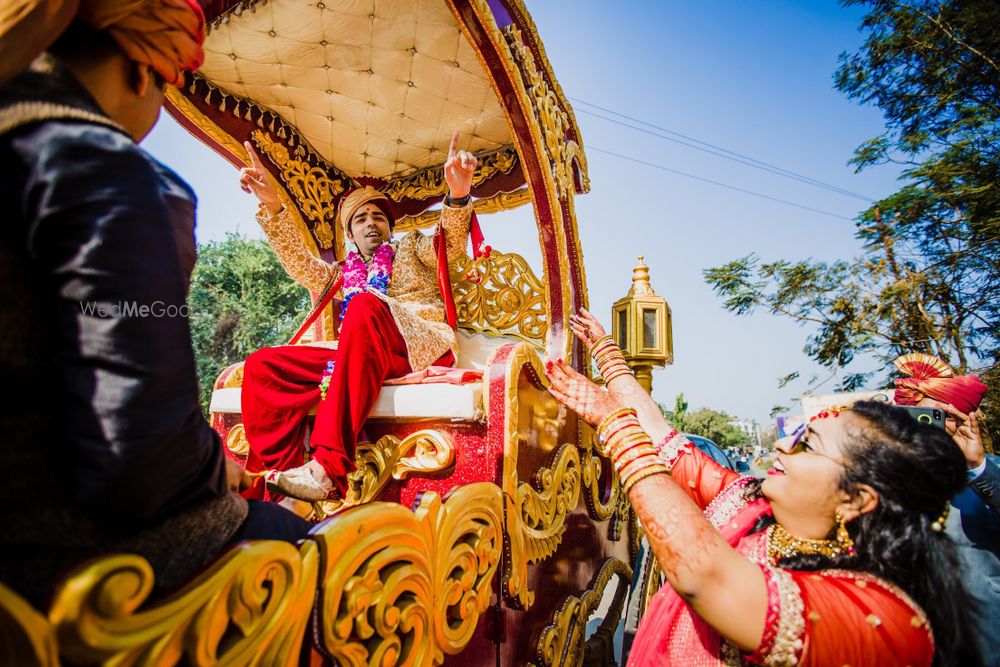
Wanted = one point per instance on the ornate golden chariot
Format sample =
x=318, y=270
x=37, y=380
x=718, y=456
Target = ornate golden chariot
x=481, y=526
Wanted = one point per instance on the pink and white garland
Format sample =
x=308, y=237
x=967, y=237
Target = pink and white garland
x=359, y=277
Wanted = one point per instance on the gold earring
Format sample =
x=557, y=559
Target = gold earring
x=844, y=541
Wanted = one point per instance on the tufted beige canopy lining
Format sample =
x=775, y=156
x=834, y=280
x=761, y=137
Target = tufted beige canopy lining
x=375, y=86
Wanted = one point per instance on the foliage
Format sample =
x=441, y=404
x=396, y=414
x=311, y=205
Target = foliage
x=712, y=424
x=716, y=426
x=928, y=278
x=241, y=300
x=678, y=416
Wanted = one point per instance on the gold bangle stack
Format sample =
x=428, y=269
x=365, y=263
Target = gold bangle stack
x=609, y=359
x=631, y=451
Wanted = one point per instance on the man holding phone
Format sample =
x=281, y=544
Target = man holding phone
x=974, y=522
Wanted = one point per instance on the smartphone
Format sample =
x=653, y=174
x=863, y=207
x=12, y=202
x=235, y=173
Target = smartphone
x=929, y=416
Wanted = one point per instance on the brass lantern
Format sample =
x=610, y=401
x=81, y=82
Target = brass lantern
x=641, y=325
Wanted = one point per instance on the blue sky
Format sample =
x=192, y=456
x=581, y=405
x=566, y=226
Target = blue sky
x=753, y=78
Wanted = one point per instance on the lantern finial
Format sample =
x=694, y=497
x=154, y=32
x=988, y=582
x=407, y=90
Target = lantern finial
x=640, y=279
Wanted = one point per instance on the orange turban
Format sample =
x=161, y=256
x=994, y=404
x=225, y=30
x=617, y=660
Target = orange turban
x=358, y=197
x=165, y=34
x=929, y=376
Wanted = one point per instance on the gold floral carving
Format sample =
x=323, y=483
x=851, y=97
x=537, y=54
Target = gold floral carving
x=423, y=452
x=234, y=379
x=408, y=588
x=543, y=512
x=592, y=465
x=250, y=608
x=536, y=518
x=500, y=295
x=314, y=191
x=236, y=441
x=26, y=637
x=562, y=642
x=550, y=115
x=430, y=182
x=503, y=201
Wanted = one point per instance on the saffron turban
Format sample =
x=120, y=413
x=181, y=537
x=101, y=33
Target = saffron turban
x=355, y=199
x=930, y=377
x=167, y=35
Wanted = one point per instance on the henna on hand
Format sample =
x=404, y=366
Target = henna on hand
x=579, y=394
x=586, y=327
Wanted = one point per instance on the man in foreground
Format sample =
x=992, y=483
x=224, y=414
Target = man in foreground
x=105, y=449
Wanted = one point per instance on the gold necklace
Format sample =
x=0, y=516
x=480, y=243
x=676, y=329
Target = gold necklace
x=782, y=544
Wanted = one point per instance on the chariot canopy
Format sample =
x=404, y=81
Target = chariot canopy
x=339, y=93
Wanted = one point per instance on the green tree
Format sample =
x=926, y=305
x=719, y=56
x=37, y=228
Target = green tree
x=678, y=416
x=241, y=300
x=928, y=279
x=716, y=426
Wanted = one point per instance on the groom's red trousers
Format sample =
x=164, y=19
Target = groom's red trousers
x=281, y=386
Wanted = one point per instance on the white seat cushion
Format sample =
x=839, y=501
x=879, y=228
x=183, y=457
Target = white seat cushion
x=408, y=401
x=415, y=401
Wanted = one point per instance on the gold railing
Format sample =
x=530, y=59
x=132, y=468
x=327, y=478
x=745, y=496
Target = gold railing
x=391, y=586
x=500, y=295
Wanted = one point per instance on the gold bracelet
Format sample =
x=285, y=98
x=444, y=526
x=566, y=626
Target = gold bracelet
x=608, y=352
x=648, y=472
x=625, y=436
x=626, y=471
x=616, y=373
x=617, y=414
x=628, y=442
x=622, y=434
x=630, y=456
x=606, y=338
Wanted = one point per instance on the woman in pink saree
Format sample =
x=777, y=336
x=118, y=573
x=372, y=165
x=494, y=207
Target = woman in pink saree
x=837, y=558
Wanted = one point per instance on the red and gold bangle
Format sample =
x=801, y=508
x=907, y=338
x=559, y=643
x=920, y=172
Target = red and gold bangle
x=607, y=352
x=615, y=373
x=609, y=359
x=625, y=460
x=643, y=460
x=654, y=469
x=600, y=342
x=627, y=447
x=627, y=415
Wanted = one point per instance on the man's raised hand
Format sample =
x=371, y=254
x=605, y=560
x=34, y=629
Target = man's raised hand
x=257, y=181
x=458, y=170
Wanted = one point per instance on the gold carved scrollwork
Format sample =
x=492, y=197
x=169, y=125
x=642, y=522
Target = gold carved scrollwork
x=600, y=508
x=26, y=637
x=503, y=201
x=313, y=189
x=234, y=379
x=407, y=588
x=250, y=608
x=551, y=117
x=543, y=512
x=430, y=182
x=500, y=295
x=536, y=518
x=562, y=642
x=236, y=441
x=423, y=452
